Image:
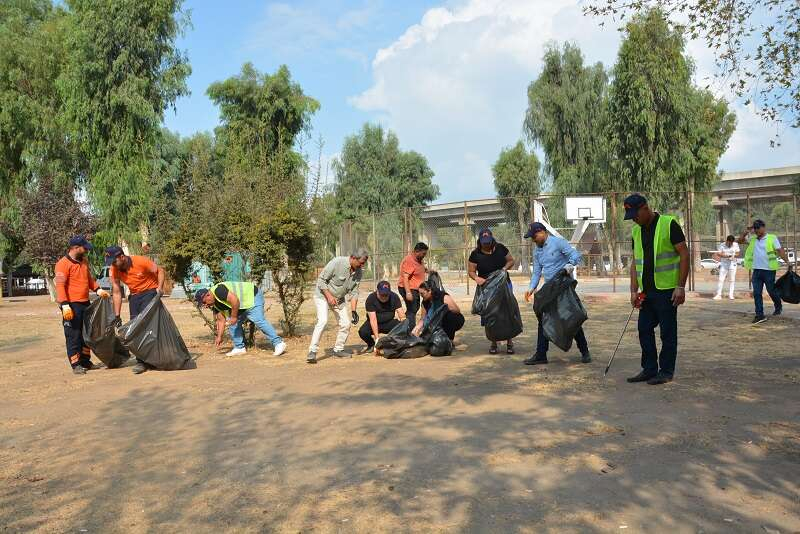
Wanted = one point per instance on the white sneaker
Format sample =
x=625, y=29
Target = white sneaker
x=731, y=297
x=280, y=348
x=236, y=352
x=717, y=297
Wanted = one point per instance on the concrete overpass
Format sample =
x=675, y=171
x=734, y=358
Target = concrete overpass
x=476, y=213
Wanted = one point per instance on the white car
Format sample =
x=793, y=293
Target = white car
x=36, y=284
x=709, y=263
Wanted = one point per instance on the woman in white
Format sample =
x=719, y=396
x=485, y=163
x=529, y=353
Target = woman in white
x=728, y=252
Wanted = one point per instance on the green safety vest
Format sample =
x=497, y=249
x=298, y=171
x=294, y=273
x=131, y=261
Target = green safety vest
x=772, y=256
x=666, y=266
x=244, y=291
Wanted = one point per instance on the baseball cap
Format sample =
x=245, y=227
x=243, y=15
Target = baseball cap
x=758, y=223
x=112, y=253
x=384, y=288
x=199, y=295
x=80, y=241
x=486, y=237
x=533, y=228
x=632, y=205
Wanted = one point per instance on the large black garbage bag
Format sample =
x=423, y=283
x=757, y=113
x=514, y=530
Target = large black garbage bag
x=440, y=344
x=153, y=337
x=398, y=341
x=401, y=343
x=98, y=334
x=495, y=303
x=789, y=287
x=559, y=310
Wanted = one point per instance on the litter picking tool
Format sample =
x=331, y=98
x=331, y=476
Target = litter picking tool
x=637, y=305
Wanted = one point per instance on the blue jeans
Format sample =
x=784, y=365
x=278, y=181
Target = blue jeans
x=256, y=316
x=761, y=278
x=657, y=310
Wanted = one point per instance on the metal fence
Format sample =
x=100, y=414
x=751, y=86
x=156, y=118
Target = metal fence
x=451, y=230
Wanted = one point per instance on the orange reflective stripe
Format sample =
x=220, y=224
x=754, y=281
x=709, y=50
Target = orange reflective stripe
x=75, y=358
x=86, y=350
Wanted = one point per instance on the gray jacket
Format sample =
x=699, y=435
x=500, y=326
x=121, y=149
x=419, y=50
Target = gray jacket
x=337, y=278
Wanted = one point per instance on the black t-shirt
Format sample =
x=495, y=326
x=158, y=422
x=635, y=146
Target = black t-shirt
x=489, y=263
x=648, y=235
x=383, y=310
x=222, y=293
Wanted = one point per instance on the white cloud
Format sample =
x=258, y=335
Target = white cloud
x=454, y=85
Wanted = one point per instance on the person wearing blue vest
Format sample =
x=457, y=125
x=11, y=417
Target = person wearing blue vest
x=761, y=257
x=659, y=269
x=233, y=303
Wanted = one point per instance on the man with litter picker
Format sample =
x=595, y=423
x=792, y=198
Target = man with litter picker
x=551, y=255
x=761, y=257
x=659, y=269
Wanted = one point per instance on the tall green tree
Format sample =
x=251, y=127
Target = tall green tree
x=123, y=71
x=566, y=117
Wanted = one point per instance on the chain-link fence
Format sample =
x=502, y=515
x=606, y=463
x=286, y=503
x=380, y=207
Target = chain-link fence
x=604, y=239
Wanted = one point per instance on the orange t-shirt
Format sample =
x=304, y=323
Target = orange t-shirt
x=73, y=280
x=141, y=276
x=415, y=271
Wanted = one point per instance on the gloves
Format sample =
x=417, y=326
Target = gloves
x=67, y=313
x=103, y=294
x=355, y=317
x=569, y=268
x=117, y=322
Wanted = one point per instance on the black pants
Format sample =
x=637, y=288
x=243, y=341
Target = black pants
x=138, y=302
x=412, y=306
x=77, y=351
x=452, y=323
x=657, y=310
x=543, y=344
x=365, y=332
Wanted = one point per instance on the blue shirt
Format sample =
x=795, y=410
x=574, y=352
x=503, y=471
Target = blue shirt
x=551, y=258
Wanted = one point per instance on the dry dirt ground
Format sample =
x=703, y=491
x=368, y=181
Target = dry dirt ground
x=468, y=443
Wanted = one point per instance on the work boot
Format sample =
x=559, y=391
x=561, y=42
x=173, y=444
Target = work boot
x=641, y=377
x=91, y=366
x=342, y=354
x=78, y=370
x=660, y=378
x=777, y=312
x=312, y=357
x=536, y=359
x=139, y=368
x=758, y=319
x=586, y=357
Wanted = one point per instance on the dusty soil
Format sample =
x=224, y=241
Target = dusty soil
x=472, y=442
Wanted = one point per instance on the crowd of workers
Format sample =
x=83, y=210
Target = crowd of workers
x=658, y=275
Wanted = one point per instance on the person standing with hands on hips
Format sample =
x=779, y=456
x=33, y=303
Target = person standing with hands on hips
x=727, y=252
x=761, y=257
x=490, y=256
x=336, y=285
x=659, y=268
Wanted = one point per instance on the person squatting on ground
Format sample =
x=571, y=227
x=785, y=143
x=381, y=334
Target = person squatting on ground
x=433, y=299
x=761, y=257
x=660, y=268
x=728, y=253
x=551, y=255
x=488, y=257
x=145, y=281
x=233, y=303
x=73, y=280
x=337, y=285
x=412, y=274
x=384, y=312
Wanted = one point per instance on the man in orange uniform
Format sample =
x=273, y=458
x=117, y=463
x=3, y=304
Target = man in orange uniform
x=412, y=274
x=145, y=281
x=73, y=282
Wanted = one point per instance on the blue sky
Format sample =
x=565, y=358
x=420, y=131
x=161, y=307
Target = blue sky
x=449, y=78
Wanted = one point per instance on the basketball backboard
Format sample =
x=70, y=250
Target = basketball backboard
x=586, y=208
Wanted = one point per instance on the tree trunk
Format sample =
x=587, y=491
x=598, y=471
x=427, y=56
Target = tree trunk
x=524, y=249
x=51, y=286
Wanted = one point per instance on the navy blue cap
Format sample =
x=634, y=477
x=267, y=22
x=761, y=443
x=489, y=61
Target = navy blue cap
x=113, y=252
x=632, y=205
x=80, y=241
x=199, y=295
x=384, y=288
x=485, y=237
x=758, y=223
x=533, y=228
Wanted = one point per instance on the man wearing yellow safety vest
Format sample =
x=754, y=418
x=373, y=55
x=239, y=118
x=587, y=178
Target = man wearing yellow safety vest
x=233, y=303
x=659, y=268
x=761, y=257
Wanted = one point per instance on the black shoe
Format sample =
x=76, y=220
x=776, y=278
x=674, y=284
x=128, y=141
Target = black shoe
x=91, y=366
x=139, y=368
x=777, y=312
x=642, y=377
x=536, y=359
x=758, y=319
x=342, y=354
x=509, y=348
x=660, y=378
x=586, y=357
x=78, y=370
x=311, y=358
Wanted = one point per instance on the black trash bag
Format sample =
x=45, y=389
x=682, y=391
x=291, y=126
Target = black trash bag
x=153, y=338
x=789, y=287
x=98, y=334
x=436, y=282
x=440, y=344
x=559, y=310
x=495, y=303
x=398, y=341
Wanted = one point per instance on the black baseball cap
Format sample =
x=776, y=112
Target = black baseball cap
x=199, y=295
x=758, y=223
x=533, y=228
x=384, y=288
x=80, y=241
x=486, y=237
x=632, y=205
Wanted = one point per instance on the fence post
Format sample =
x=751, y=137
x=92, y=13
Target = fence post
x=690, y=232
x=749, y=224
x=376, y=260
x=614, y=260
x=794, y=224
x=466, y=245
